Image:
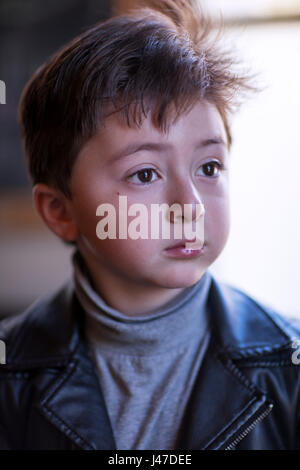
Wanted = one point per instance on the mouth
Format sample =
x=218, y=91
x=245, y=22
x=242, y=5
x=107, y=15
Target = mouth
x=180, y=251
x=182, y=244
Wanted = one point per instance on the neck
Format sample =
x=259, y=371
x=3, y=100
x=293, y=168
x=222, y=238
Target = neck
x=133, y=298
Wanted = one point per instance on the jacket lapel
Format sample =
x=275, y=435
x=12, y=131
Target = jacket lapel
x=75, y=404
x=223, y=403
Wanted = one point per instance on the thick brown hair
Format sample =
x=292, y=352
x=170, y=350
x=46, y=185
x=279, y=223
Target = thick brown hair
x=166, y=53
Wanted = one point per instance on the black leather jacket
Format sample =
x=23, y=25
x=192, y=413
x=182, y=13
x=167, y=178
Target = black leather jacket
x=246, y=395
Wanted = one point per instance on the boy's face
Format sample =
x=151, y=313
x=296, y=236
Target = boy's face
x=181, y=174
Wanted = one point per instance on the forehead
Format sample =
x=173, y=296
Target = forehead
x=201, y=124
x=202, y=119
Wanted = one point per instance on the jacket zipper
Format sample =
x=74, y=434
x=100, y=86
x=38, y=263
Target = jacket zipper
x=250, y=427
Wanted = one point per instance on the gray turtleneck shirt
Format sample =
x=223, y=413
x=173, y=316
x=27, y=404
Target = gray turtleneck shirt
x=146, y=364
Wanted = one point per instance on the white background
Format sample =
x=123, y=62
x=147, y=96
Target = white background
x=262, y=255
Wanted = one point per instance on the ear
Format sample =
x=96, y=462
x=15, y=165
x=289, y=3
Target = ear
x=56, y=211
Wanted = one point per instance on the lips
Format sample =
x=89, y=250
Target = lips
x=181, y=244
x=179, y=251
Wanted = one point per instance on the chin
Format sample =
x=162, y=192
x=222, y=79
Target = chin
x=181, y=278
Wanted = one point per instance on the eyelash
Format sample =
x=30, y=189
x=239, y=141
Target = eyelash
x=220, y=166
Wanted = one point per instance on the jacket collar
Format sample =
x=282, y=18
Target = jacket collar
x=74, y=403
x=240, y=327
x=208, y=424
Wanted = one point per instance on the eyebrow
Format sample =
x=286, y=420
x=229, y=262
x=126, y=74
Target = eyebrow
x=134, y=148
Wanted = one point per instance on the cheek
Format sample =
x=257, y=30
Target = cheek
x=127, y=254
x=116, y=251
x=217, y=220
x=85, y=209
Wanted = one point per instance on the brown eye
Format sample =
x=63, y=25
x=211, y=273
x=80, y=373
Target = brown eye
x=144, y=176
x=209, y=169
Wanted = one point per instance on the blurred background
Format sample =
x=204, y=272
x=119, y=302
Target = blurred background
x=262, y=255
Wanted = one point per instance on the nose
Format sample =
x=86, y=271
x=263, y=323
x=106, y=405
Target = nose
x=187, y=206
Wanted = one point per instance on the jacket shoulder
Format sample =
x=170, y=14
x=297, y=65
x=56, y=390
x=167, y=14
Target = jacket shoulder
x=247, y=324
x=41, y=332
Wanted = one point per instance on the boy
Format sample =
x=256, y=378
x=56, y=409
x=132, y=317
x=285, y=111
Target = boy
x=144, y=349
